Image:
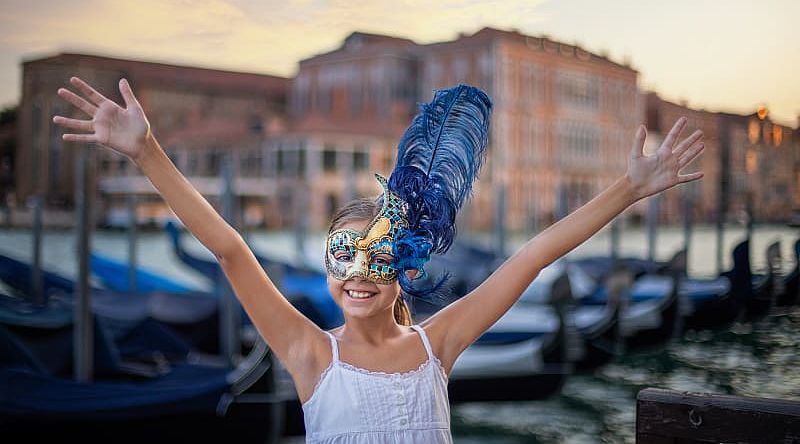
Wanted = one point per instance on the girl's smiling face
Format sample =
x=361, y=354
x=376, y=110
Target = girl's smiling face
x=357, y=296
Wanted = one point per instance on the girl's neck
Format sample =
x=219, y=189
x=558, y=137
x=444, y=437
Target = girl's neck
x=375, y=330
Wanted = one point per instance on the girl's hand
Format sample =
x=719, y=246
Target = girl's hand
x=655, y=173
x=123, y=130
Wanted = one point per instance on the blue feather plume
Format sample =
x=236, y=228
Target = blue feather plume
x=438, y=160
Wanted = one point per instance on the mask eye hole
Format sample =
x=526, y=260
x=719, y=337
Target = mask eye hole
x=383, y=259
x=342, y=256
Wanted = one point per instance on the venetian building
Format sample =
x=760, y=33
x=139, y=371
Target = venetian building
x=562, y=123
x=700, y=197
x=762, y=166
x=200, y=117
x=348, y=109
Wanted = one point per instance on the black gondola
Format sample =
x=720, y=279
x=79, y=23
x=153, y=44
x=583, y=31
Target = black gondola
x=306, y=289
x=127, y=401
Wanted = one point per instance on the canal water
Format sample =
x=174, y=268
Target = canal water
x=752, y=359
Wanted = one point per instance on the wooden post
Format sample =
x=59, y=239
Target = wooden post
x=37, y=201
x=724, y=185
x=230, y=317
x=83, y=337
x=132, y=235
x=750, y=217
x=652, y=224
x=38, y=295
x=666, y=416
x=688, y=206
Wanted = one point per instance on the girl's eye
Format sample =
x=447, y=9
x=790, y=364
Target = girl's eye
x=343, y=257
x=383, y=260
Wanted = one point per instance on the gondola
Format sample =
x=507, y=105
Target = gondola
x=513, y=360
x=598, y=325
x=756, y=291
x=648, y=315
x=114, y=276
x=791, y=294
x=193, y=316
x=127, y=401
x=650, y=312
x=306, y=289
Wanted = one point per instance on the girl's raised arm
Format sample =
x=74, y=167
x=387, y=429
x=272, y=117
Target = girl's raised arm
x=646, y=175
x=127, y=131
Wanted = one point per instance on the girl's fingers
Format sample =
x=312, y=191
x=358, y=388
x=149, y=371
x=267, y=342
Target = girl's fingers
x=83, y=125
x=669, y=141
x=127, y=94
x=79, y=137
x=79, y=102
x=690, y=177
x=638, y=142
x=87, y=90
x=689, y=156
x=687, y=142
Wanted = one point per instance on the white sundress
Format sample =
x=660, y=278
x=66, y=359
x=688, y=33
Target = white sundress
x=353, y=405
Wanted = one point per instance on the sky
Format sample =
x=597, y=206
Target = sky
x=720, y=55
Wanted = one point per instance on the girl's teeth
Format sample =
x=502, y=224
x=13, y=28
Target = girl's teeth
x=359, y=294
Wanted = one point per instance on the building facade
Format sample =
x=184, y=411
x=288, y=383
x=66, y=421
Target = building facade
x=563, y=118
x=746, y=158
x=762, y=166
x=562, y=126
x=198, y=115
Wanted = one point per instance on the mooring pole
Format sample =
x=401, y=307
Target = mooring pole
x=39, y=298
x=230, y=320
x=724, y=185
x=83, y=337
x=688, y=217
x=652, y=224
x=132, y=235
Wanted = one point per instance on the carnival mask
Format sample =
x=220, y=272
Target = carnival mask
x=369, y=253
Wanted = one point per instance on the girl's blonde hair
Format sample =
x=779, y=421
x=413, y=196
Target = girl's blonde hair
x=365, y=209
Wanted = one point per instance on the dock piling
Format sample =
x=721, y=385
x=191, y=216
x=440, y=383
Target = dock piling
x=83, y=337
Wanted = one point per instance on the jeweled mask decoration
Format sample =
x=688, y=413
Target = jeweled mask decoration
x=438, y=159
x=369, y=253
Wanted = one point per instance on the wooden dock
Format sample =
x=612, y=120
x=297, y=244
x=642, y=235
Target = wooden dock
x=671, y=417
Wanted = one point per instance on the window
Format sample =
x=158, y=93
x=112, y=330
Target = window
x=360, y=160
x=281, y=162
x=329, y=158
x=250, y=163
x=579, y=90
x=192, y=163
x=301, y=162
x=213, y=162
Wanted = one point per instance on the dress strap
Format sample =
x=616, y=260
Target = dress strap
x=424, y=340
x=334, y=347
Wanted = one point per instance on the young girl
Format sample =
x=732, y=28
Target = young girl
x=378, y=377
